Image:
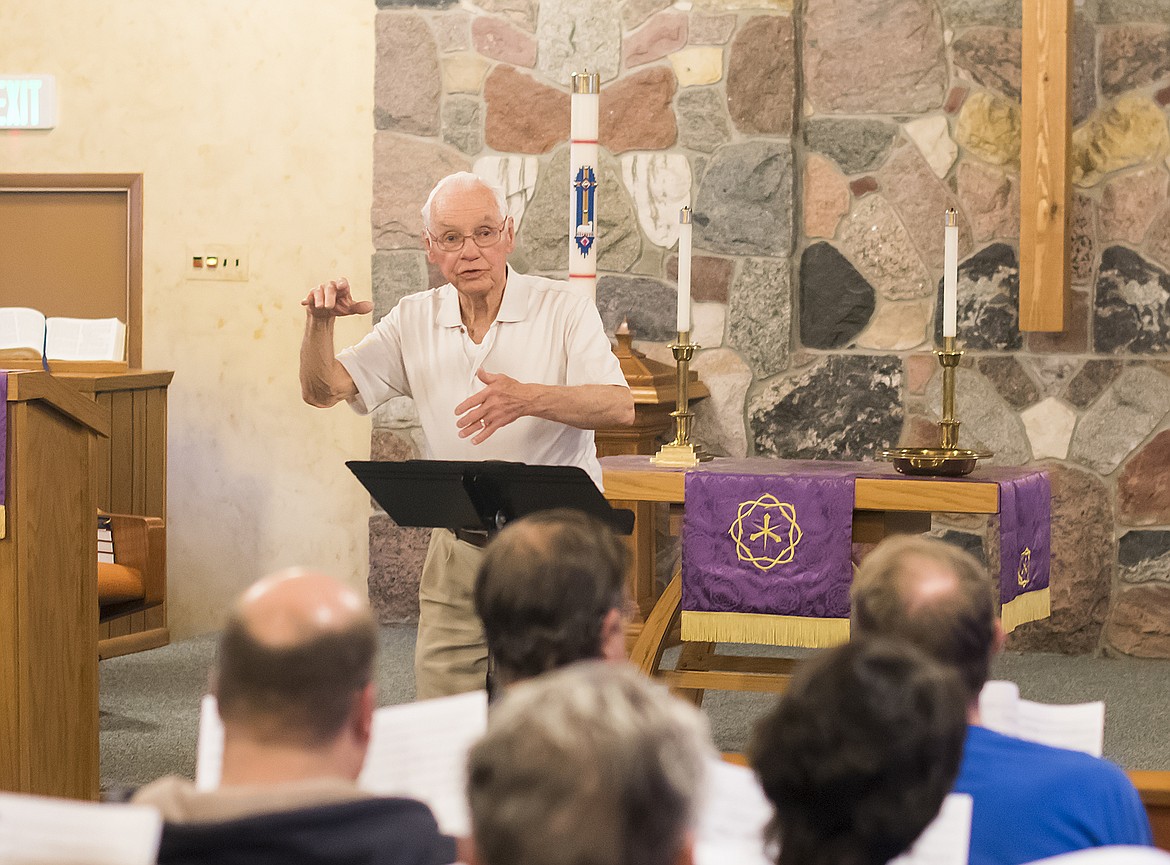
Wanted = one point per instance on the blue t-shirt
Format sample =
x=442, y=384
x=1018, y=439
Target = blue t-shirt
x=1032, y=801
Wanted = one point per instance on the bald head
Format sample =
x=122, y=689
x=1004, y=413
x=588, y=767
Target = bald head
x=460, y=188
x=933, y=595
x=293, y=605
x=297, y=650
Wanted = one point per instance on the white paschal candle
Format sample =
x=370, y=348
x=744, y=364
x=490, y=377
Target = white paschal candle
x=684, y=270
x=583, y=178
x=950, y=308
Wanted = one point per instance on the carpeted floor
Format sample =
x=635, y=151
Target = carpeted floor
x=150, y=703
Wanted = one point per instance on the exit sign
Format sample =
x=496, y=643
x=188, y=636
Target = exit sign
x=28, y=102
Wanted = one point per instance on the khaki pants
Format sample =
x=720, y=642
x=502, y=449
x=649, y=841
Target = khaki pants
x=450, y=656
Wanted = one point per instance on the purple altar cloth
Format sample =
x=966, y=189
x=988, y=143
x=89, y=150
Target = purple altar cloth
x=815, y=582
x=1025, y=529
x=768, y=543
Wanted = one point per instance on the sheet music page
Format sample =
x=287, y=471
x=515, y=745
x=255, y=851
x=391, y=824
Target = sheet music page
x=420, y=750
x=999, y=706
x=734, y=813
x=209, y=750
x=947, y=839
x=36, y=830
x=21, y=327
x=85, y=339
x=1078, y=726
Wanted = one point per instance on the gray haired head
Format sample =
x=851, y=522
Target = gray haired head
x=592, y=764
x=458, y=182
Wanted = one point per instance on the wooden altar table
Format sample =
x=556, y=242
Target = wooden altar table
x=884, y=504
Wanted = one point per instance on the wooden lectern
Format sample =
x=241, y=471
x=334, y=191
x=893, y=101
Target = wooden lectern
x=48, y=591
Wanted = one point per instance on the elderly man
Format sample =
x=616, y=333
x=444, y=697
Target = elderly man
x=1030, y=801
x=592, y=764
x=552, y=591
x=859, y=754
x=501, y=366
x=293, y=683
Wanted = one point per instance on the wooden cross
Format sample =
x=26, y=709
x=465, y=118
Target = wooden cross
x=1045, y=193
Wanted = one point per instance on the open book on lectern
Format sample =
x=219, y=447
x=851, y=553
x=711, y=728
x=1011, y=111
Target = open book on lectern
x=481, y=496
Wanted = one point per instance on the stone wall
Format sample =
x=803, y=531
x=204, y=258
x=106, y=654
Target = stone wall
x=820, y=148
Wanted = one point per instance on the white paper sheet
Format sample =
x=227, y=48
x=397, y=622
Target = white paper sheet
x=947, y=840
x=35, y=830
x=21, y=327
x=209, y=750
x=417, y=750
x=85, y=339
x=732, y=819
x=1076, y=726
x=420, y=750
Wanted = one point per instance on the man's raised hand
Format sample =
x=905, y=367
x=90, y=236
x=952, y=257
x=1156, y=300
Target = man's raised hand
x=331, y=299
x=498, y=404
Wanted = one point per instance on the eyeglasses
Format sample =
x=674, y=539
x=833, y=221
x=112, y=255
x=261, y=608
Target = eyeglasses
x=483, y=237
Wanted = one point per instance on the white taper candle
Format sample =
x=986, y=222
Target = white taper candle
x=684, y=269
x=950, y=308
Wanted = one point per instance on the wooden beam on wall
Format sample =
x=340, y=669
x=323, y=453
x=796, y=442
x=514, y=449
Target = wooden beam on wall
x=1045, y=189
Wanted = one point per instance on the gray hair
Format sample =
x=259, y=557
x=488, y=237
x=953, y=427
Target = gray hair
x=462, y=181
x=592, y=764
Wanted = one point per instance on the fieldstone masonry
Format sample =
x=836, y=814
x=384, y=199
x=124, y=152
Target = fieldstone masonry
x=819, y=195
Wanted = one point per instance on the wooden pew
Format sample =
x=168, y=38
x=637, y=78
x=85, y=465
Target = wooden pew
x=1154, y=788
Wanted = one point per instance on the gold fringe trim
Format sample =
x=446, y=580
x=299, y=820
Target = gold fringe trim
x=759, y=628
x=3, y=523
x=1028, y=607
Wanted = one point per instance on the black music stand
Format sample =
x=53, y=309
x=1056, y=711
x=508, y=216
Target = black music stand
x=479, y=496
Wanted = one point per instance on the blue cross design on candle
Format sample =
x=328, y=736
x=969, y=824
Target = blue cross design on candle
x=585, y=184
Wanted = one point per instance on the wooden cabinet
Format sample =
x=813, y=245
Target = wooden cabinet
x=130, y=476
x=48, y=592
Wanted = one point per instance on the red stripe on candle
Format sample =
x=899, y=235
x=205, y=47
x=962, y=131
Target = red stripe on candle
x=582, y=276
x=582, y=140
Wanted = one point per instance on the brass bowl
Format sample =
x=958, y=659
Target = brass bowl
x=935, y=462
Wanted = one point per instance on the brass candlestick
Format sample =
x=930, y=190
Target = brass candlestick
x=680, y=453
x=948, y=427
x=947, y=460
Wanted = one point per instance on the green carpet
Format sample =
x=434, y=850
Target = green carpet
x=150, y=703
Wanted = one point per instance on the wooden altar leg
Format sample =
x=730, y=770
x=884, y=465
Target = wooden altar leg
x=643, y=571
x=694, y=656
x=700, y=667
x=651, y=643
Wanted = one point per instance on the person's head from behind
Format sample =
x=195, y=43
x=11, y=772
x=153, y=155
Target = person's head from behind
x=859, y=753
x=467, y=233
x=551, y=590
x=934, y=595
x=293, y=679
x=593, y=764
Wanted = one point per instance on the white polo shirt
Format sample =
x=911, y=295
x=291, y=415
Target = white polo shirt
x=544, y=333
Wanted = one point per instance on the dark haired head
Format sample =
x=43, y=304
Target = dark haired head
x=859, y=753
x=544, y=590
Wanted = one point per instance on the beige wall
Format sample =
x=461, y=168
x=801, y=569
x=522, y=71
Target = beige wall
x=251, y=123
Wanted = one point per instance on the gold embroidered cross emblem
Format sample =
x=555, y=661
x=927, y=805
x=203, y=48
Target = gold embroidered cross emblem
x=785, y=534
x=1022, y=572
x=767, y=532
